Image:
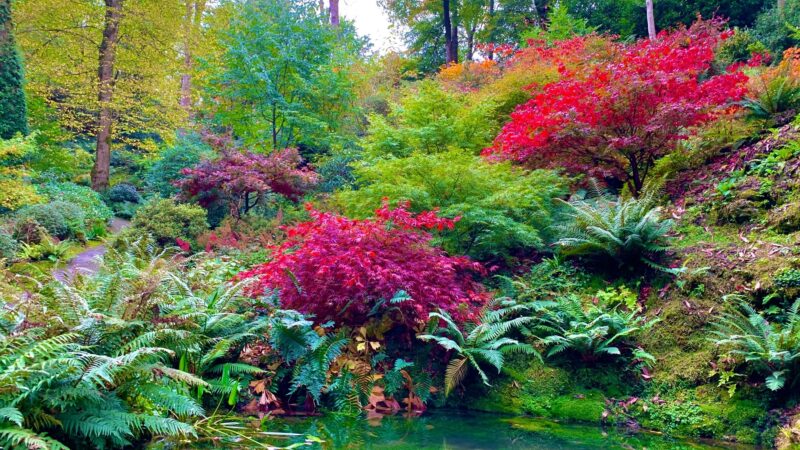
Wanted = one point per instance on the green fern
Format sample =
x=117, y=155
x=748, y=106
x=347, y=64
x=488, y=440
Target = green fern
x=768, y=348
x=481, y=342
x=590, y=331
x=629, y=232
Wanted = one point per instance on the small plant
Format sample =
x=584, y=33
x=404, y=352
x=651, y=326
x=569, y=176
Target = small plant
x=767, y=348
x=48, y=249
x=629, y=232
x=592, y=332
x=483, y=341
x=787, y=278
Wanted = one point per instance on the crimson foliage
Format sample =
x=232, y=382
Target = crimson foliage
x=616, y=118
x=241, y=178
x=349, y=270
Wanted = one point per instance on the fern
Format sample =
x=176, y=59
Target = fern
x=770, y=349
x=480, y=342
x=590, y=331
x=629, y=232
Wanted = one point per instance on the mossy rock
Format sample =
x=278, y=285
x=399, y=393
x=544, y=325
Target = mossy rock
x=738, y=211
x=786, y=219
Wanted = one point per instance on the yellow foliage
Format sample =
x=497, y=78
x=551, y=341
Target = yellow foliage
x=14, y=191
x=60, y=43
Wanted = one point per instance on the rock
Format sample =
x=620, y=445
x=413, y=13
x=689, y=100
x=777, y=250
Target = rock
x=786, y=219
x=738, y=211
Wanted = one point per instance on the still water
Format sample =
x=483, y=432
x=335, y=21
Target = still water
x=456, y=431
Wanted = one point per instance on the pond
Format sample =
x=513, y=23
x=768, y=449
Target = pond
x=455, y=430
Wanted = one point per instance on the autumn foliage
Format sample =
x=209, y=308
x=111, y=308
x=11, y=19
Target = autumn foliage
x=349, y=270
x=632, y=105
x=242, y=178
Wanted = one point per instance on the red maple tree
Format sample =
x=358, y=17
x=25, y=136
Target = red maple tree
x=349, y=270
x=616, y=118
x=242, y=177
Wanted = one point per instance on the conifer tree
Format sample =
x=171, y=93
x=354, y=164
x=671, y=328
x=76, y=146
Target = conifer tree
x=13, y=111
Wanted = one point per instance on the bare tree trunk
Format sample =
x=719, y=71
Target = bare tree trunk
x=334, y=12
x=194, y=17
x=536, y=21
x=454, y=32
x=470, y=43
x=186, y=77
x=651, y=19
x=322, y=7
x=448, y=32
x=781, y=6
x=105, y=94
x=490, y=56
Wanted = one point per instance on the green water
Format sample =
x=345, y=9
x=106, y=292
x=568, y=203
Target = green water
x=461, y=431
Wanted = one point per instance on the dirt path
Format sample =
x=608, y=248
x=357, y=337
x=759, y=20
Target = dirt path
x=87, y=261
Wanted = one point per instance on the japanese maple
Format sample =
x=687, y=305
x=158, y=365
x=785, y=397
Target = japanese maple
x=348, y=270
x=615, y=118
x=242, y=177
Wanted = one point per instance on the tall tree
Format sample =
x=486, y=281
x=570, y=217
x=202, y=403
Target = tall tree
x=105, y=93
x=283, y=75
x=450, y=32
x=13, y=110
x=110, y=70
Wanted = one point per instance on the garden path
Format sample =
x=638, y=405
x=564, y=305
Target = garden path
x=86, y=262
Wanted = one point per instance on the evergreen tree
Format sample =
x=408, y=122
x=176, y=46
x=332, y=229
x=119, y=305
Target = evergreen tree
x=12, y=97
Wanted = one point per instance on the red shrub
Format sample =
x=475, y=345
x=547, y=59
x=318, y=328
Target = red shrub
x=241, y=178
x=339, y=269
x=617, y=117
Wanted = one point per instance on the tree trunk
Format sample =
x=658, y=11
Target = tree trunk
x=334, y=12
x=651, y=19
x=490, y=56
x=470, y=43
x=186, y=77
x=322, y=7
x=454, y=31
x=193, y=19
x=448, y=33
x=536, y=21
x=781, y=6
x=105, y=94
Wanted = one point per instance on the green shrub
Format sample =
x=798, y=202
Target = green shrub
x=8, y=246
x=61, y=219
x=125, y=210
x=630, y=232
x=124, y=192
x=738, y=48
x=94, y=209
x=431, y=120
x=187, y=152
x=502, y=208
x=166, y=220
